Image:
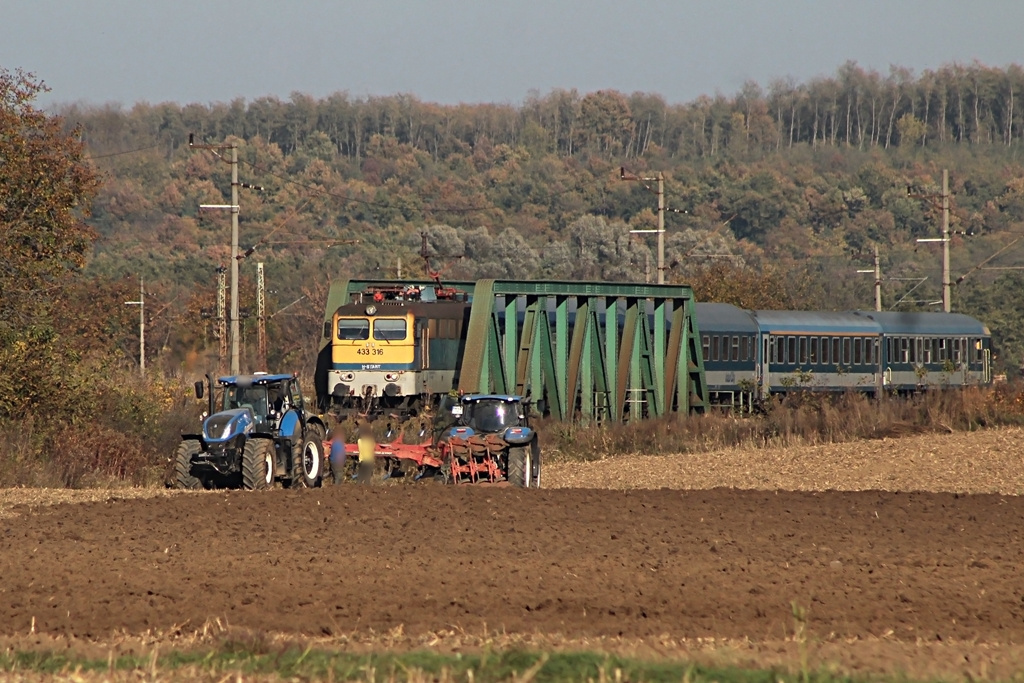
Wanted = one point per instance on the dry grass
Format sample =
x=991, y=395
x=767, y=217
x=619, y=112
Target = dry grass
x=986, y=461
x=796, y=420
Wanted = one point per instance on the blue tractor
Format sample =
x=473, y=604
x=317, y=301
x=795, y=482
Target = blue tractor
x=492, y=441
x=257, y=433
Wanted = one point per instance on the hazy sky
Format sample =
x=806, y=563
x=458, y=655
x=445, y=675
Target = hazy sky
x=450, y=51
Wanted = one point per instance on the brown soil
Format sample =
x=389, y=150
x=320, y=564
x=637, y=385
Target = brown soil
x=926, y=583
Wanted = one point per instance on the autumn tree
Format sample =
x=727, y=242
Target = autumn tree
x=45, y=189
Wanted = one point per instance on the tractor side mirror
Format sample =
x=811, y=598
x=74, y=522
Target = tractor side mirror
x=199, y=389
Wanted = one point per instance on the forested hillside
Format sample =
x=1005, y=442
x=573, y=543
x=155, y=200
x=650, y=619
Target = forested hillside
x=778, y=194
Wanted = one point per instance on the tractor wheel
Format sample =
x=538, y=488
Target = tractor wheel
x=308, y=469
x=535, y=458
x=183, y=477
x=319, y=430
x=258, y=464
x=519, y=467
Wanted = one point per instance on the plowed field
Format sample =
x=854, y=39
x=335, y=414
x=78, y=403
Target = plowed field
x=889, y=580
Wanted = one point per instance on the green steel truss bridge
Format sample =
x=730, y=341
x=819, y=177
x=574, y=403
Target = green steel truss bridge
x=593, y=350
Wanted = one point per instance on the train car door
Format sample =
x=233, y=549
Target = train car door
x=764, y=367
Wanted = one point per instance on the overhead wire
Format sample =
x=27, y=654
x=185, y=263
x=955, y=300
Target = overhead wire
x=127, y=151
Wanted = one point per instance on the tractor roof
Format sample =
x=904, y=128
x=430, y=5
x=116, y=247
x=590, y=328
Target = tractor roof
x=492, y=397
x=259, y=379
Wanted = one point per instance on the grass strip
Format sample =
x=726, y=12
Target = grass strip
x=416, y=666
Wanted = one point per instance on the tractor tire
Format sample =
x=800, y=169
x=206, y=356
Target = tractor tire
x=308, y=468
x=319, y=430
x=258, y=464
x=535, y=469
x=519, y=468
x=183, y=477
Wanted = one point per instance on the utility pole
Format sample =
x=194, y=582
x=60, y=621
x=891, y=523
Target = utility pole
x=222, y=327
x=878, y=280
x=261, y=318
x=946, y=286
x=660, y=178
x=141, y=303
x=946, y=304
x=233, y=206
x=661, y=228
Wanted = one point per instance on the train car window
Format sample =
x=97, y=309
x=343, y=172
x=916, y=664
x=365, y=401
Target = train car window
x=735, y=348
x=706, y=343
x=942, y=350
x=846, y=350
x=826, y=346
x=956, y=351
x=353, y=329
x=744, y=349
x=780, y=348
x=858, y=351
x=836, y=346
x=714, y=347
x=791, y=344
x=803, y=350
x=926, y=351
x=814, y=351
x=979, y=351
x=868, y=345
x=390, y=329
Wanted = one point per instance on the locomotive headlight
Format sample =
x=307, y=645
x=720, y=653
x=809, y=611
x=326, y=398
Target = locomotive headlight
x=348, y=376
x=391, y=377
x=371, y=310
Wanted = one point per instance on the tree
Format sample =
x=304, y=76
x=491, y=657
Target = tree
x=45, y=189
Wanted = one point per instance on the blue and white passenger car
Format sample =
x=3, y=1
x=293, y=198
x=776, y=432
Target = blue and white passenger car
x=751, y=355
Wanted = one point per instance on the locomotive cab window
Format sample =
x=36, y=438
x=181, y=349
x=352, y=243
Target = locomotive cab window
x=353, y=329
x=389, y=329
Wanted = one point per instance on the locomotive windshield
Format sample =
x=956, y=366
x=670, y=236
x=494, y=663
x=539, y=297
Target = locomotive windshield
x=491, y=416
x=389, y=329
x=353, y=329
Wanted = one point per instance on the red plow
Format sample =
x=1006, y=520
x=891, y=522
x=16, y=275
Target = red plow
x=476, y=459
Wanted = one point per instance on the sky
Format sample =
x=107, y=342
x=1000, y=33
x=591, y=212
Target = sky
x=449, y=51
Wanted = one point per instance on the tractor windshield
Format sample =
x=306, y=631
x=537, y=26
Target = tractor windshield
x=492, y=416
x=253, y=398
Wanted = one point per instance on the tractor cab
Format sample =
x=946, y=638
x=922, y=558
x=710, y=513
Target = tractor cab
x=491, y=414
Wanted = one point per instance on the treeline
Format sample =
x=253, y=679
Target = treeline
x=799, y=182
x=856, y=107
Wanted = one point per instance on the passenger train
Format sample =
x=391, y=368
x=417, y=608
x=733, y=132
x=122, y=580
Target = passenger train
x=401, y=350
x=749, y=355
